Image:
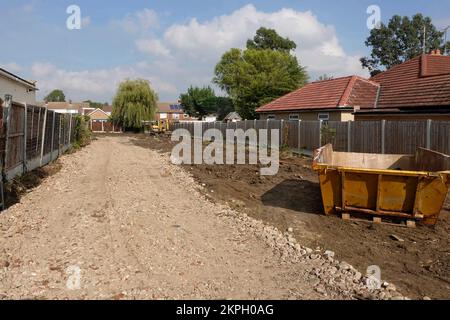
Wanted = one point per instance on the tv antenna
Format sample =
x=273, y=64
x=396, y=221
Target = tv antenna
x=445, y=39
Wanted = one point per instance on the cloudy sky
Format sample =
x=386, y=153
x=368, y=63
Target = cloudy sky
x=176, y=43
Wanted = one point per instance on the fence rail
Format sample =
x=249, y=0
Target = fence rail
x=31, y=137
x=385, y=137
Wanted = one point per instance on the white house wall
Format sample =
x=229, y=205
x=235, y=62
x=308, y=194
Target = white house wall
x=17, y=90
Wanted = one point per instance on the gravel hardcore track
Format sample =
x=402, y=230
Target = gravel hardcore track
x=138, y=228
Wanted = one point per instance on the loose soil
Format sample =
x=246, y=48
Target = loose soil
x=419, y=264
x=133, y=226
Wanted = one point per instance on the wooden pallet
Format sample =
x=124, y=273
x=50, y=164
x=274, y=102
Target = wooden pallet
x=407, y=223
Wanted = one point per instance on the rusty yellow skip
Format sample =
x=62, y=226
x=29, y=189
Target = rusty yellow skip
x=408, y=187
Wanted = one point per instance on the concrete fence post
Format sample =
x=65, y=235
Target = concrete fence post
x=25, y=134
x=281, y=132
x=70, y=129
x=349, y=136
x=429, y=124
x=59, y=134
x=43, y=136
x=53, y=136
x=383, y=136
x=37, y=131
x=299, y=135
x=6, y=122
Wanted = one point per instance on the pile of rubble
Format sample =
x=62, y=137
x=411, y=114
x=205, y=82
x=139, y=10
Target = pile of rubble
x=330, y=277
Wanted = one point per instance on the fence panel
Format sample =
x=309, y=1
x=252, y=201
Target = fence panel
x=366, y=137
x=292, y=135
x=35, y=117
x=404, y=137
x=15, y=140
x=49, y=133
x=32, y=136
x=310, y=135
x=32, y=130
x=440, y=136
x=390, y=137
x=336, y=133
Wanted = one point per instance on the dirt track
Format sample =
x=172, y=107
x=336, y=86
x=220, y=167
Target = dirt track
x=137, y=229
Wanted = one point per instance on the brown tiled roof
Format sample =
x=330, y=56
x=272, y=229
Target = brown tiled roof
x=107, y=108
x=329, y=94
x=165, y=107
x=423, y=81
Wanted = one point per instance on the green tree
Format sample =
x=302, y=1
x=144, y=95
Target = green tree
x=400, y=40
x=269, y=39
x=254, y=77
x=198, y=102
x=224, y=106
x=96, y=105
x=135, y=101
x=56, y=96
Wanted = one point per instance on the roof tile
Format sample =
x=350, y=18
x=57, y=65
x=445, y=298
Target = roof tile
x=423, y=81
x=328, y=94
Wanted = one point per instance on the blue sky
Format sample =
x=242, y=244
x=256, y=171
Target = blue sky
x=177, y=43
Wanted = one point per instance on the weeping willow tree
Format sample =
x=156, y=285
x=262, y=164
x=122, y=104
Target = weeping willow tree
x=135, y=101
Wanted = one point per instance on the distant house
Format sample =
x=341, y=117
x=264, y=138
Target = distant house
x=100, y=120
x=418, y=89
x=67, y=107
x=232, y=117
x=172, y=112
x=328, y=100
x=210, y=118
x=21, y=90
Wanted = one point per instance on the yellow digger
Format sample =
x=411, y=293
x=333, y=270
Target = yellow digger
x=159, y=127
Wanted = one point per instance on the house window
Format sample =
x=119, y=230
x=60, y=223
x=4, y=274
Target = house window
x=176, y=116
x=163, y=115
x=324, y=117
x=271, y=117
x=294, y=117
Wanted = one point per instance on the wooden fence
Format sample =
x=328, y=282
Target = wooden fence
x=385, y=137
x=31, y=137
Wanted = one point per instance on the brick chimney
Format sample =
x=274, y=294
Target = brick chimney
x=436, y=52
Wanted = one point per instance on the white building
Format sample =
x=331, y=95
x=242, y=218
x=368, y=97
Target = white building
x=21, y=90
x=68, y=107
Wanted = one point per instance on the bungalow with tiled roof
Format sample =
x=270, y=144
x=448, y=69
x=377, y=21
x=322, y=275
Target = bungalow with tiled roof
x=171, y=112
x=418, y=89
x=100, y=120
x=329, y=100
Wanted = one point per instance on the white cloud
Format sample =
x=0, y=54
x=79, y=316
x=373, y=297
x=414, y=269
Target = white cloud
x=11, y=67
x=318, y=49
x=97, y=85
x=153, y=46
x=86, y=22
x=141, y=21
x=148, y=18
x=185, y=54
